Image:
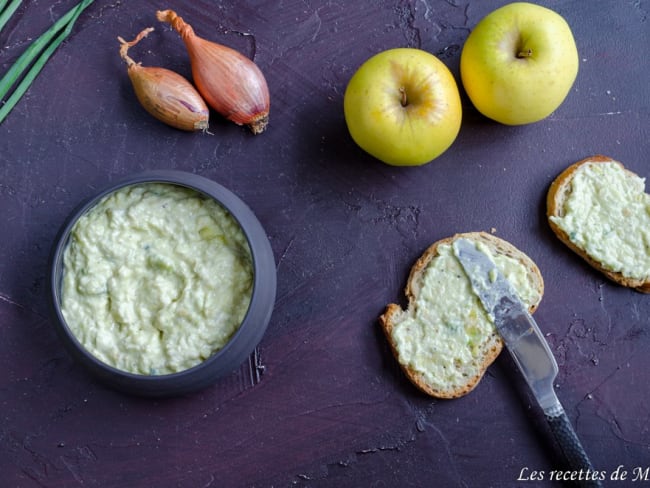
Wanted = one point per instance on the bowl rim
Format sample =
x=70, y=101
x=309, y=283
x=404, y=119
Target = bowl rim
x=263, y=291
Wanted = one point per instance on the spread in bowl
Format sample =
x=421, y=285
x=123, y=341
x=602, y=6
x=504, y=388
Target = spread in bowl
x=162, y=282
x=156, y=278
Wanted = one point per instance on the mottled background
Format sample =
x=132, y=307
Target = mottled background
x=321, y=402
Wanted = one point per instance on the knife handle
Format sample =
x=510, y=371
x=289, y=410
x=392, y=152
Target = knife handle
x=570, y=445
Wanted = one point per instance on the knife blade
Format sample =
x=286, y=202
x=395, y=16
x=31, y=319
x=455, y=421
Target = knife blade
x=527, y=346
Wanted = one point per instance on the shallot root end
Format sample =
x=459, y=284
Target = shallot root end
x=258, y=125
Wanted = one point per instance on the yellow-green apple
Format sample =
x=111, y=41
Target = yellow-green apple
x=519, y=63
x=403, y=107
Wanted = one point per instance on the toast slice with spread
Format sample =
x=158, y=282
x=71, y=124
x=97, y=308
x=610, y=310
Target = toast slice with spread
x=444, y=340
x=600, y=210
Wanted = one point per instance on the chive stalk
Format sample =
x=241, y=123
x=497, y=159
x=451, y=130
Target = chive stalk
x=6, y=13
x=41, y=50
x=35, y=48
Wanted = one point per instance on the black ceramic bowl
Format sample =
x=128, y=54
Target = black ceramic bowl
x=240, y=345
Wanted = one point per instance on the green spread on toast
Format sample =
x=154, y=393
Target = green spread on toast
x=448, y=328
x=607, y=214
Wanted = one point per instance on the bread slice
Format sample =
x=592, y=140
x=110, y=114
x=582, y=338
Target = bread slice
x=618, y=230
x=444, y=341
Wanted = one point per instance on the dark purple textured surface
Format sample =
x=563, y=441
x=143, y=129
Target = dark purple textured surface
x=322, y=403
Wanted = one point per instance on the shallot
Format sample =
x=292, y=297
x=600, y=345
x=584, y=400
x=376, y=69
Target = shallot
x=165, y=94
x=229, y=82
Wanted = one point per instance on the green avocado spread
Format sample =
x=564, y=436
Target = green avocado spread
x=157, y=277
x=448, y=329
x=607, y=213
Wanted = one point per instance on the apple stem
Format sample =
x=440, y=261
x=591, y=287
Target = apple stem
x=404, y=100
x=525, y=54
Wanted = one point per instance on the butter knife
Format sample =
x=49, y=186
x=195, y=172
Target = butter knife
x=528, y=348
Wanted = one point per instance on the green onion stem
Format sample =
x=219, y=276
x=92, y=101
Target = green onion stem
x=35, y=48
x=6, y=14
x=67, y=21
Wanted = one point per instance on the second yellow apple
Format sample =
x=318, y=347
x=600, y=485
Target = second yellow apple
x=519, y=63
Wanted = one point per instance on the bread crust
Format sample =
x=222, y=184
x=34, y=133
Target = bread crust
x=393, y=313
x=558, y=192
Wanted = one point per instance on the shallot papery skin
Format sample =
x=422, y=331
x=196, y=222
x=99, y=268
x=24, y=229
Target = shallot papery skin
x=230, y=83
x=165, y=94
